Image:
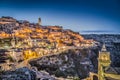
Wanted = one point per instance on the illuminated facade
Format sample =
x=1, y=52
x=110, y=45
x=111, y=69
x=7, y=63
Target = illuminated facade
x=103, y=62
x=105, y=71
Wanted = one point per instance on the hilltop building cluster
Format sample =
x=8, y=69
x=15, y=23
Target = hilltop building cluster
x=21, y=40
x=9, y=27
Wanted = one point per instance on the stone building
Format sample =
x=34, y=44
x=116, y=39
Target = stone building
x=105, y=71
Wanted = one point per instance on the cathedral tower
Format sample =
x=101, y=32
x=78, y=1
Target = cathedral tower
x=103, y=62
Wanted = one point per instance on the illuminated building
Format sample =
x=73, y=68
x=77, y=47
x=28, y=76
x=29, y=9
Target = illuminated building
x=105, y=71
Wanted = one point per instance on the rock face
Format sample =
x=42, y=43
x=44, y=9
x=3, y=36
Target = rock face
x=74, y=63
x=26, y=74
x=18, y=74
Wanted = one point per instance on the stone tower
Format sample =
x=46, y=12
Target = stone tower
x=39, y=21
x=103, y=62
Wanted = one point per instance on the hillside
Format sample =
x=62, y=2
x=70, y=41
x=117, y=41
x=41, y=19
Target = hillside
x=57, y=51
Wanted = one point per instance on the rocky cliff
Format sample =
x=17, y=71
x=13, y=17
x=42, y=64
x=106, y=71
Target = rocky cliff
x=73, y=63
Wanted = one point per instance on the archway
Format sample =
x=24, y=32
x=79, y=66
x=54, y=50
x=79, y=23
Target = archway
x=95, y=77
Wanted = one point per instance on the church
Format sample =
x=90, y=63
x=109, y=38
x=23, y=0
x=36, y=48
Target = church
x=105, y=71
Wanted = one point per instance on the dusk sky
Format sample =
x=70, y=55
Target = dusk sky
x=78, y=15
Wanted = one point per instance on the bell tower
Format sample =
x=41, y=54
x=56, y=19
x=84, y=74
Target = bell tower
x=103, y=62
x=39, y=21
